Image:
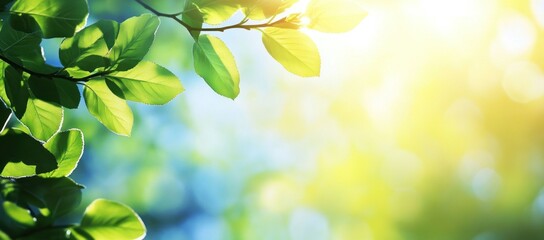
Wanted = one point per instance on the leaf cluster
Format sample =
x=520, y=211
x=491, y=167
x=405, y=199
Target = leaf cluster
x=104, y=63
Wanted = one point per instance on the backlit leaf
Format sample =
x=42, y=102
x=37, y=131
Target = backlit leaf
x=214, y=62
x=147, y=83
x=215, y=11
x=55, y=18
x=135, y=37
x=104, y=219
x=294, y=50
x=334, y=16
x=87, y=48
x=109, y=109
x=67, y=147
x=23, y=156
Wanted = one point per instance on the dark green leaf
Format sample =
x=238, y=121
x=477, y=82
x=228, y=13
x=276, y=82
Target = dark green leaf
x=104, y=219
x=12, y=88
x=58, y=91
x=55, y=18
x=59, y=195
x=22, y=46
x=5, y=113
x=147, y=83
x=109, y=109
x=135, y=37
x=51, y=233
x=23, y=156
x=214, y=62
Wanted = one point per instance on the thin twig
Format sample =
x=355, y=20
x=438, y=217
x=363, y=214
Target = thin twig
x=52, y=75
x=240, y=25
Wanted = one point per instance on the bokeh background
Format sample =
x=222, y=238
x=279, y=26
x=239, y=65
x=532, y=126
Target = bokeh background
x=427, y=123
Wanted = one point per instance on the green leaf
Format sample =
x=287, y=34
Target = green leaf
x=50, y=233
x=192, y=16
x=135, y=37
x=294, y=50
x=22, y=46
x=67, y=147
x=87, y=48
x=334, y=16
x=147, y=83
x=18, y=214
x=57, y=196
x=43, y=119
x=12, y=88
x=215, y=11
x=109, y=109
x=58, y=91
x=23, y=156
x=104, y=219
x=214, y=62
x=5, y=114
x=55, y=18
x=264, y=9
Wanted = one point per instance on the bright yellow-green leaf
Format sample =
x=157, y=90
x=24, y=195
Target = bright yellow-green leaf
x=294, y=50
x=19, y=214
x=67, y=147
x=147, y=83
x=214, y=62
x=109, y=109
x=215, y=11
x=263, y=9
x=104, y=219
x=135, y=37
x=334, y=16
x=43, y=119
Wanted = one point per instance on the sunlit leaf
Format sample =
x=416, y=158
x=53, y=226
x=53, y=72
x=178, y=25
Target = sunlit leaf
x=43, y=119
x=263, y=9
x=104, y=219
x=147, y=83
x=109, y=109
x=294, y=50
x=215, y=11
x=135, y=37
x=67, y=147
x=55, y=18
x=214, y=62
x=87, y=48
x=18, y=214
x=23, y=156
x=334, y=16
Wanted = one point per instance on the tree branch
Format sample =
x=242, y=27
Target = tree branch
x=240, y=25
x=52, y=75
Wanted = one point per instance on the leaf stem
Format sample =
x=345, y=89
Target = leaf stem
x=240, y=25
x=6, y=123
x=52, y=75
